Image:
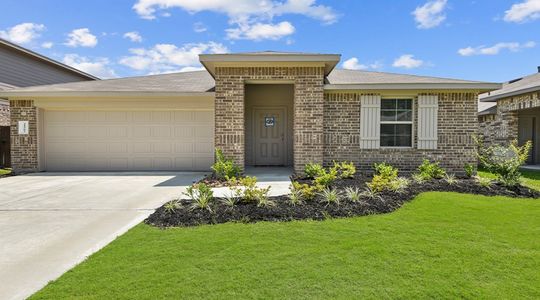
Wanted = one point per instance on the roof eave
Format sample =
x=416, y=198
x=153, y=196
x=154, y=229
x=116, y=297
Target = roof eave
x=480, y=87
x=111, y=94
x=494, y=98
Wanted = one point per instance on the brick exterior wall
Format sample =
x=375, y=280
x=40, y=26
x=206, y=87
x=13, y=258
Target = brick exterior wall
x=24, y=148
x=457, y=124
x=308, y=109
x=4, y=115
x=502, y=128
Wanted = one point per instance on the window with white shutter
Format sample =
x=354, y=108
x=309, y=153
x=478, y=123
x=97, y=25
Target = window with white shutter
x=427, y=121
x=370, y=119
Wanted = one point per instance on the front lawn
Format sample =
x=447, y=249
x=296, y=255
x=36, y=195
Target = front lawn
x=531, y=178
x=440, y=245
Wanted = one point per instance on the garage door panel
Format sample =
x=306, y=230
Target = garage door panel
x=124, y=140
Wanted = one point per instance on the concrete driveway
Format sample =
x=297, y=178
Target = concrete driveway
x=49, y=222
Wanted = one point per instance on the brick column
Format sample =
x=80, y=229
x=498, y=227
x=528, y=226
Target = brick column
x=24, y=148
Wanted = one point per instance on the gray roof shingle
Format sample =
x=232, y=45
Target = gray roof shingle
x=341, y=76
x=525, y=84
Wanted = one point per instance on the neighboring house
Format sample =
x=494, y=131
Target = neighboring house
x=514, y=114
x=20, y=67
x=261, y=109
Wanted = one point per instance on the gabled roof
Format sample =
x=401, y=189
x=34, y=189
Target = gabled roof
x=527, y=84
x=45, y=59
x=183, y=83
x=340, y=79
x=486, y=108
x=4, y=86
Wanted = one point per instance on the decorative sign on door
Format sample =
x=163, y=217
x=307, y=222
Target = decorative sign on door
x=269, y=121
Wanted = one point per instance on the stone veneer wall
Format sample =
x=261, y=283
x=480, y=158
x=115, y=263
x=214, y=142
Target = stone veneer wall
x=308, y=109
x=502, y=128
x=24, y=148
x=4, y=115
x=457, y=124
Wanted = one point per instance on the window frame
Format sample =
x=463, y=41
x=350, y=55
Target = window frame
x=411, y=122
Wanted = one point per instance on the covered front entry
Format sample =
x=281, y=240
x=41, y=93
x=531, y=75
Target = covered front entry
x=529, y=130
x=269, y=124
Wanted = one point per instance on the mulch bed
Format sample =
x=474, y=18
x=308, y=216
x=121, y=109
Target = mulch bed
x=212, y=181
x=317, y=210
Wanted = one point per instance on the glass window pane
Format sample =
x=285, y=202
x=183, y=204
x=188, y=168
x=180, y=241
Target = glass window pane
x=404, y=104
x=387, y=141
x=403, y=129
x=387, y=129
x=396, y=135
x=388, y=104
x=404, y=115
x=403, y=141
x=388, y=115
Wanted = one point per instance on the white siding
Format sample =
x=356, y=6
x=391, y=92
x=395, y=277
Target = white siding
x=370, y=119
x=427, y=121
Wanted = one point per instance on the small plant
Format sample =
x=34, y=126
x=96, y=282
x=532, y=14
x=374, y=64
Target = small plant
x=262, y=198
x=384, y=178
x=326, y=179
x=505, y=162
x=353, y=194
x=230, y=199
x=171, y=206
x=450, y=179
x=201, y=195
x=313, y=170
x=429, y=170
x=469, y=170
x=417, y=178
x=295, y=197
x=307, y=192
x=344, y=169
x=399, y=185
x=225, y=168
x=246, y=189
x=331, y=196
x=483, y=182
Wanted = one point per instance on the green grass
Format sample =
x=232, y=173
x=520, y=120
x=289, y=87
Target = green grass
x=441, y=245
x=5, y=171
x=531, y=178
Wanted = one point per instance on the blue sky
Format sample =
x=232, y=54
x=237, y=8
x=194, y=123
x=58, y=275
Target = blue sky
x=490, y=40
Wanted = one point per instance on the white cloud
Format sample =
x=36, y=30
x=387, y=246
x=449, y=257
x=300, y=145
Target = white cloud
x=527, y=10
x=244, y=14
x=47, y=45
x=353, y=64
x=22, y=33
x=430, y=14
x=259, y=31
x=199, y=27
x=133, y=36
x=495, y=49
x=166, y=58
x=98, y=67
x=81, y=37
x=407, y=61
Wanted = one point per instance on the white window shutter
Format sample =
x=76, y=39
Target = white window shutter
x=370, y=121
x=427, y=121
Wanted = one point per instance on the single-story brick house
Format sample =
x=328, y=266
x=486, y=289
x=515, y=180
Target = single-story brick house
x=513, y=114
x=261, y=109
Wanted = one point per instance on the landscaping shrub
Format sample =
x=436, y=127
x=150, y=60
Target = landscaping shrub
x=307, y=192
x=246, y=188
x=201, y=196
x=450, y=179
x=429, y=170
x=344, y=169
x=331, y=196
x=353, y=193
x=313, y=170
x=384, y=178
x=327, y=178
x=505, y=162
x=469, y=170
x=224, y=168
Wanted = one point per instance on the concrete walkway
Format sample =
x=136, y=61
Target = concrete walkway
x=49, y=222
x=278, y=178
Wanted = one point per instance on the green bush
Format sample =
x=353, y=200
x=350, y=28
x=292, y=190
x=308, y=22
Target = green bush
x=384, y=179
x=469, y=170
x=326, y=179
x=224, y=168
x=344, y=169
x=246, y=189
x=331, y=196
x=505, y=162
x=429, y=170
x=307, y=192
x=314, y=170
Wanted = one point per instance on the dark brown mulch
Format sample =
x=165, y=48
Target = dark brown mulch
x=212, y=181
x=317, y=210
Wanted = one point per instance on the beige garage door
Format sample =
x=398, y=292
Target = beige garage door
x=127, y=140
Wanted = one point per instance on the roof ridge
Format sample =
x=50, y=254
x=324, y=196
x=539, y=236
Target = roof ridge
x=412, y=75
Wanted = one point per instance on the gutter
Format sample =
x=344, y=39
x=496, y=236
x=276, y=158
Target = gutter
x=115, y=94
x=415, y=86
x=494, y=98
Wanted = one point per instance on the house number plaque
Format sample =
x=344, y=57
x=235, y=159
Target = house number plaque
x=269, y=121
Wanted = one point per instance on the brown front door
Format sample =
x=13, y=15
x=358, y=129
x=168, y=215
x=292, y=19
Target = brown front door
x=527, y=132
x=269, y=136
